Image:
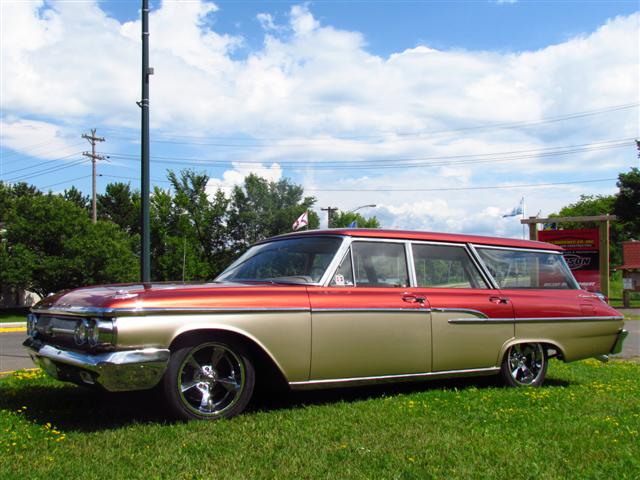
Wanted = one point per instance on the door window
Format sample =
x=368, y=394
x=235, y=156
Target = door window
x=344, y=273
x=445, y=266
x=379, y=264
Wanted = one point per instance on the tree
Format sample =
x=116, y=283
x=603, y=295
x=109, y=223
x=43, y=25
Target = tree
x=627, y=203
x=120, y=205
x=49, y=244
x=344, y=219
x=262, y=208
x=75, y=196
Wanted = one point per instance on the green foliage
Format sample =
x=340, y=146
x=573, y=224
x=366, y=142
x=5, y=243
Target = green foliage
x=344, y=219
x=75, y=196
x=627, y=203
x=583, y=424
x=262, y=209
x=120, y=205
x=49, y=244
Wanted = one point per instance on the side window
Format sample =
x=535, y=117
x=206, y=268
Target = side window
x=444, y=266
x=379, y=264
x=344, y=274
x=523, y=269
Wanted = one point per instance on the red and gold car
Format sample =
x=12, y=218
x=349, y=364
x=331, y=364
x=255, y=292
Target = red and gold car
x=329, y=308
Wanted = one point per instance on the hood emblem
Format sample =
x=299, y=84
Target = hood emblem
x=123, y=294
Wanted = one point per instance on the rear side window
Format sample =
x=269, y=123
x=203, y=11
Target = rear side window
x=378, y=264
x=523, y=269
x=445, y=266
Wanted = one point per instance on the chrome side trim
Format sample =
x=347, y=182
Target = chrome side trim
x=339, y=382
x=143, y=311
x=461, y=321
x=488, y=320
x=569, y=319
x=372, y=310
x=476, y=313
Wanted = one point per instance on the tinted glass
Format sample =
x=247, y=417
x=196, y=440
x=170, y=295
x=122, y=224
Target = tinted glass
x=444, y=266
x=380, y=264
x=299, y=260
x=522, y=269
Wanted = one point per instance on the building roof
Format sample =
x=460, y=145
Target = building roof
x=428, y=236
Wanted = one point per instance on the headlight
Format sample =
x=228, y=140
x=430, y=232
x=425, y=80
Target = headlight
x=93, y=332
x=80, y=333
x=32, y=322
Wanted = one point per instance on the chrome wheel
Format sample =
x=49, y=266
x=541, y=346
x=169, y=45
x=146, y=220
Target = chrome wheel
x=526, y=363
x=211, y=380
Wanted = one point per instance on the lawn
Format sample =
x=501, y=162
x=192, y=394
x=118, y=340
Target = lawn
x=584, y=424
x=13, y=315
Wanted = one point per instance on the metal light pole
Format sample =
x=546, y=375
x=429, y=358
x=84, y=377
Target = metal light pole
x=362, y=206
x=145, y=257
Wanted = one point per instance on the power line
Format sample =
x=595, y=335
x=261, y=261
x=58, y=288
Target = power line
x=45, y=153
x=65, y=181
x=40, y=164
x=46, y=171
x=386, y=163
x=454, y=189
x=499, y=126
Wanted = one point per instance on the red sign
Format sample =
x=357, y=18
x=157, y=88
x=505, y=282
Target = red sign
x=581, y=252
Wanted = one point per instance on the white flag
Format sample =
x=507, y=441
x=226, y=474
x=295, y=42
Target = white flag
x=517, y=210
x=302, y=221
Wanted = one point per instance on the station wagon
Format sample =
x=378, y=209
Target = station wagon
x=329, y=308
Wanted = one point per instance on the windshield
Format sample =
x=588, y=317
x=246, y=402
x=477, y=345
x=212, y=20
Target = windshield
x=298, y=260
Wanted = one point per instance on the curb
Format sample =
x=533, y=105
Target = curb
x=13, y=324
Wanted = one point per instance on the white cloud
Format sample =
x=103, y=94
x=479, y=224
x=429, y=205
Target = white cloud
x=320, y=96
x=39, y=139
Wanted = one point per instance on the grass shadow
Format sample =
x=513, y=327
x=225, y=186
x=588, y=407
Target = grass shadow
x=73, y=408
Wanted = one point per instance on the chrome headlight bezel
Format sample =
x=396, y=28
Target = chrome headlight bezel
x=80, y=332
x=32, y=325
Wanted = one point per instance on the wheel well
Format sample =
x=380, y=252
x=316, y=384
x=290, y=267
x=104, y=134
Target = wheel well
x=268, y=374
x=545, y=344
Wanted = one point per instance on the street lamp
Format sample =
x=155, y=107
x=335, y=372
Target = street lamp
x=362, y=206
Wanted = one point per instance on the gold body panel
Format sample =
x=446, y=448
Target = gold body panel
x=284, y=336
x=458, y=346
x=361, y=344
x=575, y=339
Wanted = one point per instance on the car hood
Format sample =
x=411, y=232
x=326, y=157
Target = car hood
x=176, y=296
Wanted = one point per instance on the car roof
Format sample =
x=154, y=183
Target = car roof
x=425, y=236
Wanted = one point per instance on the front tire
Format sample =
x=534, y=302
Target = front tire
x=209, y=380
x=524, y=365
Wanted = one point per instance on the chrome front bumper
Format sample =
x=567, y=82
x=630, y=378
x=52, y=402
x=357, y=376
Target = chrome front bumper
x=617, y=347
x=114, y=371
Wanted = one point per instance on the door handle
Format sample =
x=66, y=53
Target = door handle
x=500, y=300
x=413, y=299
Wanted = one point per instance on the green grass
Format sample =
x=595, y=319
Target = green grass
x=584, y=424
x=13, y=314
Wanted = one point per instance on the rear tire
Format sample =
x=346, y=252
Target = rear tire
x=524, y=365
x=209, y=380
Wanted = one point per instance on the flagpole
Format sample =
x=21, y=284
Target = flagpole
x=523, y=217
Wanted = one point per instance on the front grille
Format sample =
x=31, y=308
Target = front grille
x=58, y=330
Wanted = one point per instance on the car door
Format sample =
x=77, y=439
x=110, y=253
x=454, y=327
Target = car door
x=548, y=302
x=470, y=320
x=368, y=322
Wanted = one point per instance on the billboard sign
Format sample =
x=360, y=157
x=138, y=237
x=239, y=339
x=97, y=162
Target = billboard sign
x=581, y=252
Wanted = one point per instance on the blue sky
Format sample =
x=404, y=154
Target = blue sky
x=413, y=106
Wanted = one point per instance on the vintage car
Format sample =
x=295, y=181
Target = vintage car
x=329, y=308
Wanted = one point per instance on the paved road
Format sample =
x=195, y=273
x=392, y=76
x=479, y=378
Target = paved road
x=13, y=356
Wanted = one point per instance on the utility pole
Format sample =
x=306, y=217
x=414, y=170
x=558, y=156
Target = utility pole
x=145, y=257
x=330, y=211
x=92, y=139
